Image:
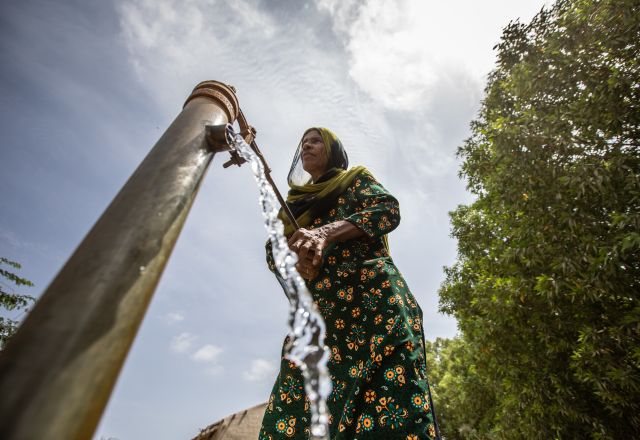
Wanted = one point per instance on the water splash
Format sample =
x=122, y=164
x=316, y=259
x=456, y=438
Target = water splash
x=306, y=327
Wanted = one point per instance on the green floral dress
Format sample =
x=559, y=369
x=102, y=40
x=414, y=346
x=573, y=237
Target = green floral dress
x=374, y=331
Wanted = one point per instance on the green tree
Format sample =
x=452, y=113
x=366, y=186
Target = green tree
x=9, y=300
x=464, y=400
x=547, y=280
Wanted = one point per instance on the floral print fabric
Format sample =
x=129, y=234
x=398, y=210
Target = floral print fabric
x=374, y=331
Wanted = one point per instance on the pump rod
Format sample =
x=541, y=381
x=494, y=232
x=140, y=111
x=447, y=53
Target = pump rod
x=242, y=121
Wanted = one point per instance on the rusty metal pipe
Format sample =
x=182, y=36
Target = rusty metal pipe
x=57, y=372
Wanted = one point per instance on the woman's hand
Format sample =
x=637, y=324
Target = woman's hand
x=306, y=269
x=309, y=244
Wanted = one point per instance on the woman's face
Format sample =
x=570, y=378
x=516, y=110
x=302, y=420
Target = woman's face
x=314, y=154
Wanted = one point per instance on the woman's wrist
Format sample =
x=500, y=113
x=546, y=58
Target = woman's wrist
x=325, y=233
x=340, y=230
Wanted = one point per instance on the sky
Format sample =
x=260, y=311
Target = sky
x=88, y=87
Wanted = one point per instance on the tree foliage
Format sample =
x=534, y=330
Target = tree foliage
x=10, y=300
x=464, y=400
x=547, y=280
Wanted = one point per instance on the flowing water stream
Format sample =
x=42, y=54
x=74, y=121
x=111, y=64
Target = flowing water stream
x=306, y=327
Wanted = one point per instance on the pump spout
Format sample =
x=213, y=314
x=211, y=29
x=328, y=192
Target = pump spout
x=220, y=137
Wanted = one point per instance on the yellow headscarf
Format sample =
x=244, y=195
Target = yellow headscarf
x=308, y=200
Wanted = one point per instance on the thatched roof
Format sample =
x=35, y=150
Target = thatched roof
x=242, y=425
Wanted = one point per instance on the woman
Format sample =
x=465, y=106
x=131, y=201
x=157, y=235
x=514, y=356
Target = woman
x=374, y=324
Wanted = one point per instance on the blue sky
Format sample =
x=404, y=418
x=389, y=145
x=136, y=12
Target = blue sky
x=87, y=87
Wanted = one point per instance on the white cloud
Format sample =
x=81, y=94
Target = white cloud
x=182, y=342
x=399, y=50
x=391, y=58
x=260, y=369
x=274, y=64
x=172, y=40
x=253, y=18
x=207, y=353
x=173, y=317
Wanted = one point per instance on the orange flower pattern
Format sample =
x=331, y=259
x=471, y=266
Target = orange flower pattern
x=374, y=331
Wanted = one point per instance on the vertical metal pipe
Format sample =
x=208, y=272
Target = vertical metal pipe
x=58, y=370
